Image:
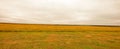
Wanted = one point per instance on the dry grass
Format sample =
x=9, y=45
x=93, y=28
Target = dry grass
x=58, y=37
x=29, y=27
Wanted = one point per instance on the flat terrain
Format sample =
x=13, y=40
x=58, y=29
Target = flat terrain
x=23, y=36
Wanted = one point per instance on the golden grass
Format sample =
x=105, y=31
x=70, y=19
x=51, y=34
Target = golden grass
x=59, y=40
x=24, y=36
x=30, y=27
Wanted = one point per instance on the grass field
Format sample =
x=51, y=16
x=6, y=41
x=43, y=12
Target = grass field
x=21, y=36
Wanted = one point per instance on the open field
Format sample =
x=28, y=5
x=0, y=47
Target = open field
x=18, y=36
x=37, y=27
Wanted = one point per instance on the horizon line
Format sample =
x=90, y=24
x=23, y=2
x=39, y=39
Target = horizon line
x=62, y=24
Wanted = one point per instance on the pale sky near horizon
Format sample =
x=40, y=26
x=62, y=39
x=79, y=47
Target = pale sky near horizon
x=79, y=12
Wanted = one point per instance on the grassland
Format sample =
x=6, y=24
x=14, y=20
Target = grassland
x=22, y=36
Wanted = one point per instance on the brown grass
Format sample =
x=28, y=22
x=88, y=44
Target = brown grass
x=23, y=36
x=30, y=27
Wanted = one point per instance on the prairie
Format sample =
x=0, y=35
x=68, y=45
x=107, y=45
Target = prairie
x=26, y=36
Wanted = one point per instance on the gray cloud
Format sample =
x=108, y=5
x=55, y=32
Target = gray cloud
x=88, y=12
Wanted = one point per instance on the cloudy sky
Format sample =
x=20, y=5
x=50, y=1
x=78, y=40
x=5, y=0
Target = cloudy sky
x=79, y=12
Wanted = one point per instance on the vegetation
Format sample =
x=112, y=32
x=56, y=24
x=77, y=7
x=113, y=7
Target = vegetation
x=18, y=36
x=61, y=28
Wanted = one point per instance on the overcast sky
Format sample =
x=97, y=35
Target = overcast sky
x=88, y=12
